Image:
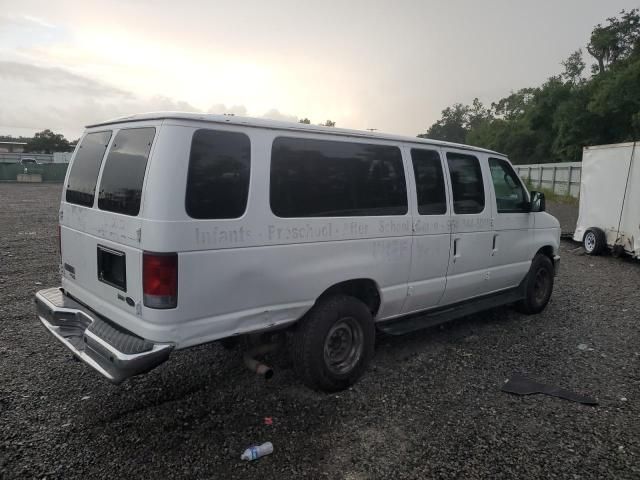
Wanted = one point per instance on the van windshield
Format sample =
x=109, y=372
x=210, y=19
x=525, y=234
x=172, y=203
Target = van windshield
x=83, y=176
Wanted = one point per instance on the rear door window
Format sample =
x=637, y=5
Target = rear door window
x=218, y=178
x=466, y=183
x=427, y=169
x=124, y=169
x=81, y=186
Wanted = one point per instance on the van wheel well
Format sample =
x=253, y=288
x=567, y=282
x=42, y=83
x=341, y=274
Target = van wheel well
x=364, y=289
x=546, y=251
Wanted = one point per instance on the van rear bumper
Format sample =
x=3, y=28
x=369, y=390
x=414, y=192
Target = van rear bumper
x=115, y=353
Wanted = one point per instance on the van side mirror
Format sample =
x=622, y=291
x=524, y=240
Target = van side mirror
x=538, y=203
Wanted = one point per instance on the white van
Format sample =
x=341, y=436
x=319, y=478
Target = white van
x=181, y=229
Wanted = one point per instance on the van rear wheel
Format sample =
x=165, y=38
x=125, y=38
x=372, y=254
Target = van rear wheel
x=333, y=343
x=538, y=286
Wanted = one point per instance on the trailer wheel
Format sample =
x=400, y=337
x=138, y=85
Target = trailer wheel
x=594, y=241
x=333, y=343
x=538, y=286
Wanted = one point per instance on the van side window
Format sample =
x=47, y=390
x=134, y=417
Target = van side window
x=466, y=183
x=427, y=169
x=510, y=194
x=81, y=187
x=218, y=178
x=124, y=169
x=324, y=178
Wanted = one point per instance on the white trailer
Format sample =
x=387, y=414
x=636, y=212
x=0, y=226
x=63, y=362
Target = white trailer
x=609, y=215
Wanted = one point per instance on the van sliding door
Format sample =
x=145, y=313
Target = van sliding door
x=431, y=232
x=468, y=274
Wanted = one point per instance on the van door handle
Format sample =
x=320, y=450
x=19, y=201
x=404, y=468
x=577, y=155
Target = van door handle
x=456, y=249
x=494, y=248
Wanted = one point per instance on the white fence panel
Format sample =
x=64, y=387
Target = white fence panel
x=560, y=178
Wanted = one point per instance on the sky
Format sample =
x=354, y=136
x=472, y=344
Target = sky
x=389, y=65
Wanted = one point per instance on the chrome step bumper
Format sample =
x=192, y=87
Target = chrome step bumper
x=114, y=352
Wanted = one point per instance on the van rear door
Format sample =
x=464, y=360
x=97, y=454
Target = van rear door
x=100, y=220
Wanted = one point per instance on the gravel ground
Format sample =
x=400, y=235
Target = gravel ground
x=567, y=215
x=430, y=406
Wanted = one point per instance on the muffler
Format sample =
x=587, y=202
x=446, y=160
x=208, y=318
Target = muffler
x=257, y=366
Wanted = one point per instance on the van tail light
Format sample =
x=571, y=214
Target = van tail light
x=160, y=279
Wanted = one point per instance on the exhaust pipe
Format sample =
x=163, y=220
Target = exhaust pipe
x=255, y=365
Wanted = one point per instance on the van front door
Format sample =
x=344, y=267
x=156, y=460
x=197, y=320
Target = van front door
x=471, y=227
x=513, y=240
x=431, y=232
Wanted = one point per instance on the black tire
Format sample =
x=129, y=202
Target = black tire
x=594, y=241
x=318, y=354
x=538, y=286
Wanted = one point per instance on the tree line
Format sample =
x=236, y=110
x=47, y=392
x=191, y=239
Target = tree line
x=45, y=141
x=576, y=108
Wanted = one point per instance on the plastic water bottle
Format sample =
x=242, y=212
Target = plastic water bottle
x=257, y=451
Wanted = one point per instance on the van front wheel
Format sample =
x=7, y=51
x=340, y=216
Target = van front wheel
x=538, y=286
x=333, y=343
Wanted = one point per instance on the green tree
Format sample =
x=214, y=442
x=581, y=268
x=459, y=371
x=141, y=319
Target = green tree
x=305, y=120
x=513, y=106
x=328, y=123
x=616, y=40
x=48, y=142
x=574, y=65
x=452, y=126
x=553, y=122
x=616, y=101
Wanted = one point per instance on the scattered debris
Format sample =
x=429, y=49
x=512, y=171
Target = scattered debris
x=38, y=283
x=86, y=397
x=268, y=420
x=585, y=347
x=520, y=385
x=256, y=451
x=623, y=399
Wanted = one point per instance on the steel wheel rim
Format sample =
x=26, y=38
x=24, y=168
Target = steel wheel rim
x=541, y=285
x=590, y=241
x=343, y=346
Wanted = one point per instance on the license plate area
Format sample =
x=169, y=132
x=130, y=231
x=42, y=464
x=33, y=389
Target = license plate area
x=112, y=267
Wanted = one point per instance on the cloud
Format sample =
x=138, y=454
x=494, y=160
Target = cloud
x=56, y=79
x=34, y=98
x=275, y=114
x=23, y=21
x=19, y=32
x=31, y=19
x=241, y=110
x=222, y=109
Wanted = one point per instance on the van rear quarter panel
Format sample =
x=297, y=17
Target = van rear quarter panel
x=260, y=271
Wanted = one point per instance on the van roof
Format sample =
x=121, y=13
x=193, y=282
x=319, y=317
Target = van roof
x=281, y=125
